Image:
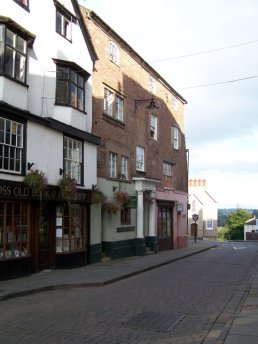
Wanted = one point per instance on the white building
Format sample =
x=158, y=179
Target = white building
x=45, y=126
x=205, y=206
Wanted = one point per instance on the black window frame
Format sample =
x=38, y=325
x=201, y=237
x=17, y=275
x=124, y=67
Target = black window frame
x=4, y=46
x=66, y=99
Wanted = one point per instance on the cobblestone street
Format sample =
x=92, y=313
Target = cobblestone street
x=177, y=303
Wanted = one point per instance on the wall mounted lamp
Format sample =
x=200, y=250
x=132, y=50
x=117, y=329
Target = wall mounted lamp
x=152, y=103
x=29, y=165
x=61, y=171
x=114, y=188
x=93, y=187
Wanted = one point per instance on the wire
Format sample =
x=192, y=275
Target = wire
x=219, y=83
x=205, y=51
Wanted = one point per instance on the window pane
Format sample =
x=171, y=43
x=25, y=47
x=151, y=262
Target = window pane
x=21, y=45
x=62, y=94
x=80, y=99
x=73, y=95
x=10, y=38
x=20, y=67
x=108, y=98
x=119, y=108
x=9, y=62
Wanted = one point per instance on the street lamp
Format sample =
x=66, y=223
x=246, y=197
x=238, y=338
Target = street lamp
x=195, y=217
x=152, y=105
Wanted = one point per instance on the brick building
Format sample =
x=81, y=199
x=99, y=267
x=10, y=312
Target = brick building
x=142, y=162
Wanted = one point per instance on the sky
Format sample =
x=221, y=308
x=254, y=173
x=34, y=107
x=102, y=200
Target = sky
x=207, y=50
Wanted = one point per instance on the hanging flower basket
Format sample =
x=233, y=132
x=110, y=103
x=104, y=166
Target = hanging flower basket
x=98, y=197
x=111, y=207
x=67, y=185
x=122, y=198
x=36, y=180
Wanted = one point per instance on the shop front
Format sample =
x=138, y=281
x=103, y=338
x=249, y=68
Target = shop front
x=40, y=231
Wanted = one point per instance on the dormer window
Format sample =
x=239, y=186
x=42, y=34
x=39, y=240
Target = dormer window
x=64, y=20
x=13, y=55
x=114, y=52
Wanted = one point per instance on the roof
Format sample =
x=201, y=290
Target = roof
x=93, y=16
x=251, y=222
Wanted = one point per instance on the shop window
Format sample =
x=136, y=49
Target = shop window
x=70, y=89
x=23, y=3
x=167, y=175
x=14, y=230
x=164, y=221
x=112, y=169
x=13, y=54
x=73, y=163
x=113, y=105
x=11, y=146
x=70, y=228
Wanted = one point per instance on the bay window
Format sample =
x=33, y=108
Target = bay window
x=70, y=86
x=13, y=54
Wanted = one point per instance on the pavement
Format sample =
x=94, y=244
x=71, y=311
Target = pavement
x=242, y=328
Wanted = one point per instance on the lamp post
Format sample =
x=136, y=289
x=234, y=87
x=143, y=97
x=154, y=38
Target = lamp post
x=195, y=217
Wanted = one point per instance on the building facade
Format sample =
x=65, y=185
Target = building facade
x=142, y=164
x=251, y=229
x=46, y=137
x=204, y=205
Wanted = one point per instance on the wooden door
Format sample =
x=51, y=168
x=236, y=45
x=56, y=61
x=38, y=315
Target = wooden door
x=44, y=237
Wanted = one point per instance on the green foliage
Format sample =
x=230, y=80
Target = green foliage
x=234, y=224
x=222, y=232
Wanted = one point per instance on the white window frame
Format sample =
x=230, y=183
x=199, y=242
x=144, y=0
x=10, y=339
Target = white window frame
x=209, y=224
x=119, y=108
x=175, y=137
x=114, y=52
x=11, y=146
x=168, y=174
x=73, y=158
x=124, y=167
x=175, y=102
x=108, y=101
x=112, y=167
x=154, y=126
x=64, y=24
x=152, y=84
x=139, y=158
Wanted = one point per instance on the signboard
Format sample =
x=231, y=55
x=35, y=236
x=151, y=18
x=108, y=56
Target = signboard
x=132, y=202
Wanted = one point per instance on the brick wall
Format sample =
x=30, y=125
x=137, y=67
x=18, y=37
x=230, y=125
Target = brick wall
x=130, y=80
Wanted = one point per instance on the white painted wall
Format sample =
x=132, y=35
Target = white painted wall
x=39, y=97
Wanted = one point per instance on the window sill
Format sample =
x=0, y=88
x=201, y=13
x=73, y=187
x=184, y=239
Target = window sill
x=113, y=121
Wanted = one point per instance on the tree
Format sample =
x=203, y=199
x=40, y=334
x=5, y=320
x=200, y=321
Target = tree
x=235, y=224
